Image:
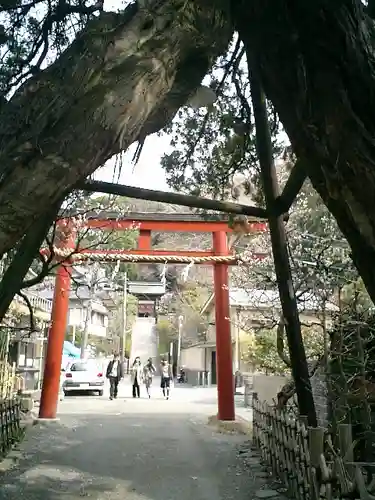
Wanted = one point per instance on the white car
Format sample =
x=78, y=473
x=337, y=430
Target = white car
x=84, y=375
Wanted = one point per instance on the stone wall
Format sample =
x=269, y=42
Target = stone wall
x=320, y=394
x=267, y=386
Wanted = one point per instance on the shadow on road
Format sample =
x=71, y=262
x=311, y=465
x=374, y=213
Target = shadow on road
x=129, y=456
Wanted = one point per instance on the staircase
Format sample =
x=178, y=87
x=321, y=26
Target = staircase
x=144, y=339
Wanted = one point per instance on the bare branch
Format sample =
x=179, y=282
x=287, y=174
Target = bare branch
x=280, y=342
x=291, y=189
x=30, y=308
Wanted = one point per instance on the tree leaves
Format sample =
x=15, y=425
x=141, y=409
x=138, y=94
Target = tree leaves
x=33, y=32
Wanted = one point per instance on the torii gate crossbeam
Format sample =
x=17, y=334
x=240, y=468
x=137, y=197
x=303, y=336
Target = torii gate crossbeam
x=220, y=257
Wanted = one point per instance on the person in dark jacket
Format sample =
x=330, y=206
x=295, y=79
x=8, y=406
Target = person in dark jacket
x=115, y=373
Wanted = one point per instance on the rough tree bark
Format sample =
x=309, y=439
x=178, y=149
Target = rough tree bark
x=317, y=66
x=13, y=279
x=127, y=74
x=124, y=77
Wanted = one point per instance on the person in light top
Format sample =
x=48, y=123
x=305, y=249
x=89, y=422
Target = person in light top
x=136, y=376
x=114, y=373
x=166, y=376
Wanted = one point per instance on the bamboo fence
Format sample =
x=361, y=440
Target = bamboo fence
x=306, y=461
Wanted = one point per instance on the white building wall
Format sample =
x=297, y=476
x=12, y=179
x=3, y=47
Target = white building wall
x=97, y=326
x=75, y=316
x=97, y=330
x=192, y=358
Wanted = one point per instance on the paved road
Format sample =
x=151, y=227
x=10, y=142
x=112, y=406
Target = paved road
x=130, y=450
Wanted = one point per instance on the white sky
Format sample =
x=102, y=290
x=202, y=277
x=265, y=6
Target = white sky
x=147, y=173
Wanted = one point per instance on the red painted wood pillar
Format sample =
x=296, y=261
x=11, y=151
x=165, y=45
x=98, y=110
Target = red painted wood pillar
x=144, y=240
x=56, y=337
x=224, y=363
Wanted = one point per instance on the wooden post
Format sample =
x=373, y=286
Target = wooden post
x=280, y=252
x=347, y=454
x=316, y=448
x=346, y=442
x=247, y=394
x=224, y=363
x=303, y=420
x=144, y=240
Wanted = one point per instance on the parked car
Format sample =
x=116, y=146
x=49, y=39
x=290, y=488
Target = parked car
x=84, y=375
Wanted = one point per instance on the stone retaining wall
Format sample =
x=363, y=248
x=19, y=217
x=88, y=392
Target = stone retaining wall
x=320, y=395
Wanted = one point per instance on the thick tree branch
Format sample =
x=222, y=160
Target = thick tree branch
x=279, y=248
x=324, y=94
x=31, y=311
x=123, y=78
x=27, y=250
x=291, y=189
x=173, y=198
x=289, y=389
x=280, y=342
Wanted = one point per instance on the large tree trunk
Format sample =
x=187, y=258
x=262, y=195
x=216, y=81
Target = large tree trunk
x=124, y=77
x=316, y=61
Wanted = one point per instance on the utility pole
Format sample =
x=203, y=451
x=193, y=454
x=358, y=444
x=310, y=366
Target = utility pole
x=237, y=346
x=171, y=352
x=92, y=276
x=85, y=336
x=123, y=323
x=180, y=323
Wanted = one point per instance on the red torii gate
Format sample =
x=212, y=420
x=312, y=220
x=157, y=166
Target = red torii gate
x=220, y=256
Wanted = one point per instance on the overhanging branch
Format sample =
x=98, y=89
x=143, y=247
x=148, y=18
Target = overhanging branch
x=28, y=249
x=113, y=46
x=172, y=198
x=291, y=189
x=30, y=308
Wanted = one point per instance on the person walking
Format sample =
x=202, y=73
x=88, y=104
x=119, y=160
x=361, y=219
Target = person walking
x=136, y=375
x=148, y=373
x=115, y=373
x=166, y=376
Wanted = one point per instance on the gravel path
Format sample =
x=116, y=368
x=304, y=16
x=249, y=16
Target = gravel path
x=132, y=450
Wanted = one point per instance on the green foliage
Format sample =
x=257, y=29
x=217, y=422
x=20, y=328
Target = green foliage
x=263, y=352
x=107, y=239
x=354, y=295
x=319, y=253
x=32, y=33
x=185, y=301
x=115, y=325
x=167, y=331
x=319, y=256
x=352, y=375
x=75, y=336
x=107, y=346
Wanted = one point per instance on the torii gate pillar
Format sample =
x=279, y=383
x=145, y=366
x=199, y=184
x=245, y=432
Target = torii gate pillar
x=224, y=363
x=56, y=337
